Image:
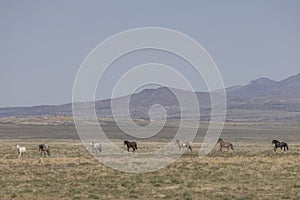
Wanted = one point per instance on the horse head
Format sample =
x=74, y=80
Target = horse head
x=42, y=147
x=274, y=141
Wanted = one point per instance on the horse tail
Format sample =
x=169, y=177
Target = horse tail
x=231, y=146
x=135, y=145
x=48, y=152
x=287, y=147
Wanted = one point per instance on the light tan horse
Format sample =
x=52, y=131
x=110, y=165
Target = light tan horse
x=181, y=145
x=224, y=144
x=21, y=151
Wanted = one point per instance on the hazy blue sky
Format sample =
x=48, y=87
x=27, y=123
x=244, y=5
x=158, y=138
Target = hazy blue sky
x=43, y=44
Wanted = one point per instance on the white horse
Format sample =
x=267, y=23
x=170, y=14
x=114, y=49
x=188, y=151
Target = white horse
x=181, y=145
x=96, y=147
x=21, y=151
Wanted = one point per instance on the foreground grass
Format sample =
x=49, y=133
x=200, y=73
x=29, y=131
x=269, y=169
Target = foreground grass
x=251, y=172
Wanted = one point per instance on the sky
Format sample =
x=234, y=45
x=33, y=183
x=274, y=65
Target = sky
x=43, y=43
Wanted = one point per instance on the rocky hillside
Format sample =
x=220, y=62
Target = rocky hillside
x=260, y=100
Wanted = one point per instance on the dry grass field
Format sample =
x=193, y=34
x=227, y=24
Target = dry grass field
x=252, y=171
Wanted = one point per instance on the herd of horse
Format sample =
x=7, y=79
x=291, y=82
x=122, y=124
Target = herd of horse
x=43, y=149
x=97, y=147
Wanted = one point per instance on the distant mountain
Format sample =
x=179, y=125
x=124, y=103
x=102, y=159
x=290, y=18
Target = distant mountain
x=139, y=104
x=260, y=100
x=266, y=90
x=265, y=100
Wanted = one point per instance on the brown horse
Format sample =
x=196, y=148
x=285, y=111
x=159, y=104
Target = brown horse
x=132, y=145
x=224, y=144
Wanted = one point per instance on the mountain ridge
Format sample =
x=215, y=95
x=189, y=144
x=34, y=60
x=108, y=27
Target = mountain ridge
x=263, y=94
x=263, y=88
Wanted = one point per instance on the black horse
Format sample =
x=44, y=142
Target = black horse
x=43, y=148
x=132, y=145
x=280, y=145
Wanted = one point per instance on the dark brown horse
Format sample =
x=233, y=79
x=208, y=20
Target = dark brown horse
x=280, y=145
x=132, y=145
x=44, y=148
x=224, y=144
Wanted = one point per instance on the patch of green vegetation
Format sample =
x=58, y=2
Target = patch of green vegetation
x=187, y=196
x=13, y=195
x=176, y=180
x=93, y=196
x=157, y=182
x=296, y=185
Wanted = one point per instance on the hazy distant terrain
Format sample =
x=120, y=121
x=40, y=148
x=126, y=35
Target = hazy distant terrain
x=262, y=100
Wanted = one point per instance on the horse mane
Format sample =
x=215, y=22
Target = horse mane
x=274, y=141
